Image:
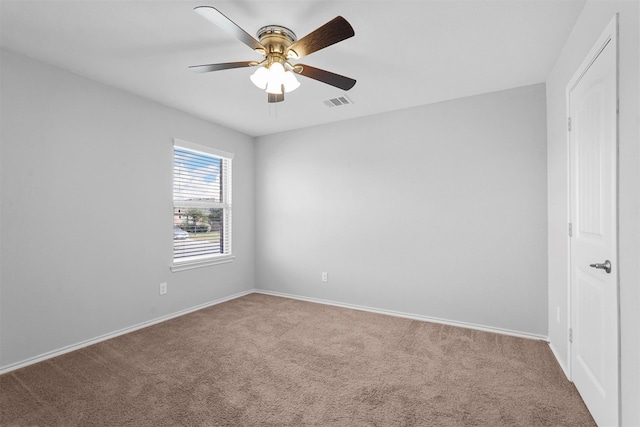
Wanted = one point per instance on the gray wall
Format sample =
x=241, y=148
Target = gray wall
x=437, y=211
x=86, y=181
x=594, y=18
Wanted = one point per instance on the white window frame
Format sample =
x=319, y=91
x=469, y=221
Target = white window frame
x=227, y=254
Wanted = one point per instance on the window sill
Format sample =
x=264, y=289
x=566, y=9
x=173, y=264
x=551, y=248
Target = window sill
x=188, y=265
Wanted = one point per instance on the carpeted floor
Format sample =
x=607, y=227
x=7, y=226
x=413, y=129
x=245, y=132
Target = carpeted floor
x=267, y=361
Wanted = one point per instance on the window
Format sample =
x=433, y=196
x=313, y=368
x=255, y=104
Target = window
x=201, y=206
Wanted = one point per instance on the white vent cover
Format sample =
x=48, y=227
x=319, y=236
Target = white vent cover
x=336, y=102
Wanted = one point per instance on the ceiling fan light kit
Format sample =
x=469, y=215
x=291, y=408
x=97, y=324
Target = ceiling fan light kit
x=275, y=74
x=279, y=45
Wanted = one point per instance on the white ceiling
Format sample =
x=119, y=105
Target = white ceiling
x=404, y=53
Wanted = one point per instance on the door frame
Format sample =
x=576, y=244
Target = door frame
x=608, y=36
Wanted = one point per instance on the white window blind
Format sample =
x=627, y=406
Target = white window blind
x=201, y=205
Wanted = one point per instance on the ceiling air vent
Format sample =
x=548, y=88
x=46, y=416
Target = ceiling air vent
x=336, y=102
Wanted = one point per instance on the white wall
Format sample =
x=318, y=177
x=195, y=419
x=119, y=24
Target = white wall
x=594, y=18
x=86, y=238
x=437, y=211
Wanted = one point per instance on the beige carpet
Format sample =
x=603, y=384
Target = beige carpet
x=267, y=361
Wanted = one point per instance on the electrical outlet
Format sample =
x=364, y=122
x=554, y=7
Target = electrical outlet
x=163, y=288
x=325, y=277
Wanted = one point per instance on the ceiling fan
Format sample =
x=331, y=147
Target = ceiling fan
x=279, y=45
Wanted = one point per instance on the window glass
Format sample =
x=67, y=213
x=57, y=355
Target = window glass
x=201, y=204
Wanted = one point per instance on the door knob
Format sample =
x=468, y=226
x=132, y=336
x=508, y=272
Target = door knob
x=606, y=266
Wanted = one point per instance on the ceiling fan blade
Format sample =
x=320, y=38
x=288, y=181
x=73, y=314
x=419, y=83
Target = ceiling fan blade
x=333, y=79
x=332, y=32
x=214, y=15
x=223, y=66
x=273, y=97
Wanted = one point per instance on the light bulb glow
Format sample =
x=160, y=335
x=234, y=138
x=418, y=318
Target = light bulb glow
x=276, y=69
x=276, y=77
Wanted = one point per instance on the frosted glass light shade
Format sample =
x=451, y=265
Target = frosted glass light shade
x=274, y=78
x=290, y=82
x=274, y=87
x=260, y=77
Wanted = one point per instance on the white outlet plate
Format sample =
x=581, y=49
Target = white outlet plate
x=163, y=288
x=325, y=276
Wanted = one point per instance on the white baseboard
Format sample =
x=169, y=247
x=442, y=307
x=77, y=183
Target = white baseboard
x=560, y=361
x=409, y=316
x=78, y=346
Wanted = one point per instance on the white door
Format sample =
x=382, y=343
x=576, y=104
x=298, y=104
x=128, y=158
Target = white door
x=592, y=102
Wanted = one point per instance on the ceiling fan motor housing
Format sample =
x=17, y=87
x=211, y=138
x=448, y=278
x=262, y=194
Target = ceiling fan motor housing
x=276, y=39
